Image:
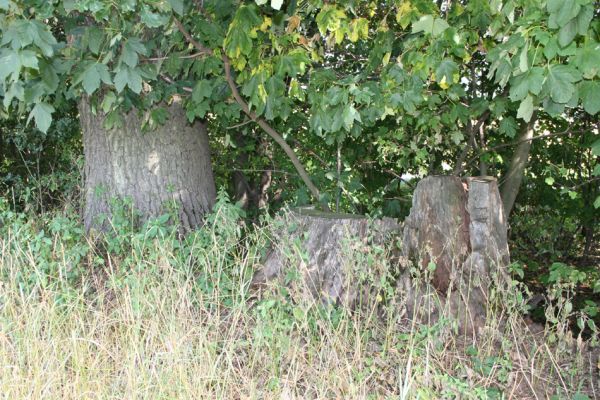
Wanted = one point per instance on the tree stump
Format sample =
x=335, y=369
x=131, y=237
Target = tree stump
x=318, y=248
x=457, y=229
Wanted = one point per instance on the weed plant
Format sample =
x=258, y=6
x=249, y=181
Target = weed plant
x=143, y=313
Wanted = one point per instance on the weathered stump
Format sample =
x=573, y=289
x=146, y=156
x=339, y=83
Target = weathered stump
x=318, y=247
x=457, y=229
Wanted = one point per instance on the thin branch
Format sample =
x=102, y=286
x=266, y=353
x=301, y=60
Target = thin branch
x=400, y=178
x=246, y=122
x=587, y=182
x=472, y=143
x=198, y=54
x=501, y=146
x=172, y=82
x=271, y=132
x=190, y=39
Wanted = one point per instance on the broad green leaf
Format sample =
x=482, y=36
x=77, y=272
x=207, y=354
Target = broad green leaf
x=127, y=76
x=508, y=126
x=330, y=19
x=429, y=24
x=92, y=76
x=596, y=148
x=445, y=72
x=43, y=38
x=237, y=42
x=292, y=64
x=530, y=82
x=177, y=6
x=152, y=19
x=42, y=113
x=14, y=91
x=567, y=33
x=95, y=37
x=350, y=115
x=560, y=81
x=28, y=59
x=202, y=90
x=549, y=181
x=587, y=59
x=526, y=109
x=49, y=76
x=10, y=64
x=562, y=11
x=108, y=101
x=590, y=96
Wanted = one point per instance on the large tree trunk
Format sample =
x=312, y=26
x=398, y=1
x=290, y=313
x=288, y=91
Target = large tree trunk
x=171, y=163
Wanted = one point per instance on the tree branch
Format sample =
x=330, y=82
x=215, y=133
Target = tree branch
x=252, y=115
x=270, y=131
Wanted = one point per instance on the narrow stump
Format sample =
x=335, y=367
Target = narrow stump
x=456, y=231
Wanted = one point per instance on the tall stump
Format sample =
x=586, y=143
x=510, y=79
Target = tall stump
x=319, y=249
x=456, y=231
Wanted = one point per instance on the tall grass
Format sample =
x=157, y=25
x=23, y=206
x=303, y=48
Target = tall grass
x=143, y=314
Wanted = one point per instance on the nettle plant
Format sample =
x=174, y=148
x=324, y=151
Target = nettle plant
x=407, y=86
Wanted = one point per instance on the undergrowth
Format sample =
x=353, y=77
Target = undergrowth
x=142, y=313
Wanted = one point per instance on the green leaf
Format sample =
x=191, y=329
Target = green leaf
x=153, y=20
x=92, y=75
x=237, y=42
x=567, y=33
x=561, y=79
x=587, y=59
x=130, y=52
x=445, y=71
x=429, y=24
x=549, y=181
x=597, y=202
x=508, y=126
x=43, y=38
x=329, y=19
x=530, y=82
x=28, y=59
x=596, y=148
x=10, y=64
x=108, y=101
x=127, y=76
x=526, y=109
x=350, y=115
x=95, y=37
x=14, y=91
x=42, y=113
x=177, y=6
x=49, y=76
x=202, y=90
x=590, y=96
x=562, y=11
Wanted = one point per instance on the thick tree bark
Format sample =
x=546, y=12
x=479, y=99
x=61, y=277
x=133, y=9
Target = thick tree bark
x=513, y=179
x=152, y=168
